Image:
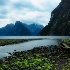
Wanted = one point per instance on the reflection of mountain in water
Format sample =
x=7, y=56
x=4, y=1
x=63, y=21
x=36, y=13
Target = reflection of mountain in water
x=20, y=29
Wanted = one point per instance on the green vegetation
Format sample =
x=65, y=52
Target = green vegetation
x=10, y=41
x=26, y=60
x=65, y=43
x=13, y=41
x=68, y=65
x=39, y=58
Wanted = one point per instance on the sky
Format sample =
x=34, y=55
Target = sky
x=26, y=11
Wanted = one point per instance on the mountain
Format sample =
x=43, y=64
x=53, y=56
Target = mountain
x=20, y=29
x=35, y=28
x=5, y=31
x=59, y=24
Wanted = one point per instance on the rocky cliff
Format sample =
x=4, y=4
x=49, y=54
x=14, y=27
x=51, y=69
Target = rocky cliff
x=59, y=24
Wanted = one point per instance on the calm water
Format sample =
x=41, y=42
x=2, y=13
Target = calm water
x=34, y=37
x=46, y=40
x=4, y=50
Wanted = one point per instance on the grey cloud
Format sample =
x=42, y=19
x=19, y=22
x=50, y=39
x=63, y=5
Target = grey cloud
x=3, y=2
x=20, y=9
x=4, y=12
x=2, y=16
x=27, y=5
x=22, y=5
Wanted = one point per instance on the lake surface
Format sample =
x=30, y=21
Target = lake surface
x=4, y=50
x=46, y=40
x=34, y=37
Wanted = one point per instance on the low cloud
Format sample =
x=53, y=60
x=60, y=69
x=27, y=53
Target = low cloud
x=28, y=11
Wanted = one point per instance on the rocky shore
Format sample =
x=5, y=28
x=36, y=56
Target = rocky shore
x=39, y=58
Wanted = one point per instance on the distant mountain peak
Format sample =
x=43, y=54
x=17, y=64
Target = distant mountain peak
x=19, y=23
x=10, y=24
x=20, y=29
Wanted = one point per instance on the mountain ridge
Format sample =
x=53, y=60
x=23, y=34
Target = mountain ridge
x=20, y=29
x=59, y=24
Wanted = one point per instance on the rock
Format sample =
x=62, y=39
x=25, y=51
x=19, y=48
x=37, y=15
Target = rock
x=59, y=24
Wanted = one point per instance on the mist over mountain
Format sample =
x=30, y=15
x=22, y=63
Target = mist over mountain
x=59, y=24
x=20, y=29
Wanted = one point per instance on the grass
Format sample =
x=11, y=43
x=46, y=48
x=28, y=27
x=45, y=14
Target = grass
x=13, y=41
x=26, y=60
x=38, y=58
x=67, y=67
x=34, y=60
x=65, y=42
x=10, y=41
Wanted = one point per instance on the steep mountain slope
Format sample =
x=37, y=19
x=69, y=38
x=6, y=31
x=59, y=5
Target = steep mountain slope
x=5, y=31
x=20, y=29
x=59, y=23
x=35, y=28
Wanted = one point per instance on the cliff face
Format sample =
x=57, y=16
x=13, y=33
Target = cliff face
x=59, y=23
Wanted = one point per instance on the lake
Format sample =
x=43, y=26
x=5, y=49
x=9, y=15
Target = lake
x=34, y=37
x=46, y=41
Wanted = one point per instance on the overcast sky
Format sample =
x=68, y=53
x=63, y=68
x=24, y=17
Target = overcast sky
x=28, y=11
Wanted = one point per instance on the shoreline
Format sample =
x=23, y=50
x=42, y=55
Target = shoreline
x=4, y=42
x=39, y=58
x=54, y=56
